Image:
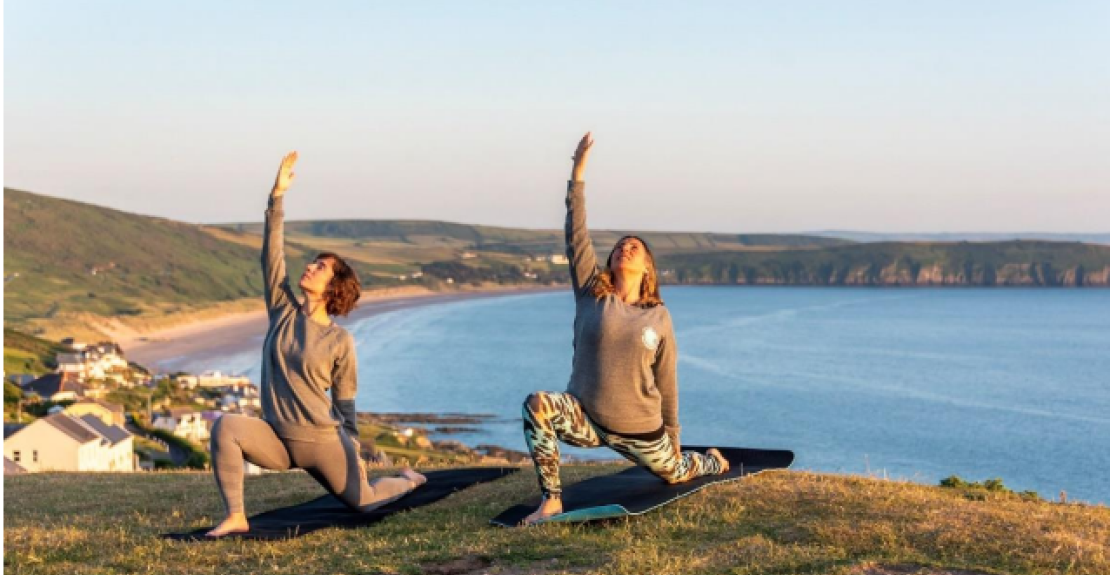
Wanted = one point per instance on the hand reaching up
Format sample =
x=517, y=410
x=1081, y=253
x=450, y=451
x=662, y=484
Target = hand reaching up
x=580, y=156
x=285, y=175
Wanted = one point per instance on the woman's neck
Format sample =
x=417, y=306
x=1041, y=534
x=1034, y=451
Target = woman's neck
x=316, y=309
x=628, y=288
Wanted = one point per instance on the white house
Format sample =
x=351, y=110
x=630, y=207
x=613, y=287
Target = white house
x=122, y=448
x=211, y=379
x=93, y=361
x=61, y=442
x=183, y=422
x=240, y=397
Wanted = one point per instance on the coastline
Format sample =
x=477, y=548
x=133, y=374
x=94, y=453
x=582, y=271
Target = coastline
x=238, y=332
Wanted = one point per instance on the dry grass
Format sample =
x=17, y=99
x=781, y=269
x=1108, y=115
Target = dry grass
x=781, y=522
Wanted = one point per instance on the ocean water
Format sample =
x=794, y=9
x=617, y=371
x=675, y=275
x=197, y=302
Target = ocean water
x=914, y=384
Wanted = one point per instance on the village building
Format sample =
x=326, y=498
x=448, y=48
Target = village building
x=61, y=442
x=109, y=413
x=56, y=387
x=183, y=422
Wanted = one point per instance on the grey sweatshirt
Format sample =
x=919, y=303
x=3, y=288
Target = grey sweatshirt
x=301, y=360
x=624, y=356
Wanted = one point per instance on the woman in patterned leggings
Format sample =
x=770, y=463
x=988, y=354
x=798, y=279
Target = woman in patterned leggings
x=623, y=386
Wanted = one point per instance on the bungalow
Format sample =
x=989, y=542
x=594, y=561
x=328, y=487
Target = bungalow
x=61, y=442
x=56, y=387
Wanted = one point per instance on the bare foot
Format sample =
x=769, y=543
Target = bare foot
x=416, y=478
x=550, y=506
x=712, y=452
x=235, y=523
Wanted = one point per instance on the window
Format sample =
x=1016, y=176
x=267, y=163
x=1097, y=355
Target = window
x=15, y=456
x=35, y=456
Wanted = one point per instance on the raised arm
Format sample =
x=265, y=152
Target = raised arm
x=580, y=249
x=276, y=289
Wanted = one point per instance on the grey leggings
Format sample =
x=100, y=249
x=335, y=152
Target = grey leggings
x=335, y=464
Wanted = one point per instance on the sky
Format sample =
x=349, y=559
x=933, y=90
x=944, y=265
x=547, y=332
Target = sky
x=741, y=117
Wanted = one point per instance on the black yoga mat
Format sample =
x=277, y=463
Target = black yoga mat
x=327, y=511
x=635, y=490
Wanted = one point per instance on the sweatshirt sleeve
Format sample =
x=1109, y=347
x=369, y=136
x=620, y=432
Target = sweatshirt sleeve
x=345, y=386
x=344, y=375
x=666, y=381
x=580, y=249
x=276, y=283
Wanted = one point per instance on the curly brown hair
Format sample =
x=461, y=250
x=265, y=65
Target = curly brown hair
x=344, y=288
x=649, y=286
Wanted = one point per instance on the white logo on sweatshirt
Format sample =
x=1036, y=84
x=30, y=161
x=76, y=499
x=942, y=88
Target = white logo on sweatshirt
x=650, y=337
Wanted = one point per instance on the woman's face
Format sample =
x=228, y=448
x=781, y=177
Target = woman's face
x=317, y=274
x=629, y=257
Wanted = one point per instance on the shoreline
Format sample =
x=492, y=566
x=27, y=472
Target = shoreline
x=238, y=332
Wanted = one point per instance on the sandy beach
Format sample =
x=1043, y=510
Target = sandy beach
x=241, y=331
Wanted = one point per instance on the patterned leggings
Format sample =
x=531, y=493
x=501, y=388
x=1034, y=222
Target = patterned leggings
x=550, y=417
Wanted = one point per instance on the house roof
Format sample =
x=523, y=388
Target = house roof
x=12, y=428
x=53, y=383
x=12, y=468
x=73, y=427
x=179, y=412
x=114, y=433
x=114, y=408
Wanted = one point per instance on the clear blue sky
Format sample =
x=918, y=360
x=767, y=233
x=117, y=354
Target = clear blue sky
x=724, y=116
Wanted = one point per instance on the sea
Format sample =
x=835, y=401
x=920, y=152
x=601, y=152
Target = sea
x=902, y=383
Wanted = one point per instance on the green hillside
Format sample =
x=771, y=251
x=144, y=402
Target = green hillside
x=62, y=257
x=1034, y=263
x=521, y=241
x=73, y=268
x=28, y=354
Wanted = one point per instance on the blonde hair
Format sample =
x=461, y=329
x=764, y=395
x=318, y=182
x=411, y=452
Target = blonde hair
x=649, y=285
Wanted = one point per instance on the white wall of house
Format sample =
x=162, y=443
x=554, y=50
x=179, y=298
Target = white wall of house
x=122, y=456
x=191, y=427
x=43, y=447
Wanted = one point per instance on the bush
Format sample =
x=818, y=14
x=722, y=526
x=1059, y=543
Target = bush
x=975, y=489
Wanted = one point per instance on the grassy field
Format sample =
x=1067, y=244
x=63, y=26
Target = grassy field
x=777, y=522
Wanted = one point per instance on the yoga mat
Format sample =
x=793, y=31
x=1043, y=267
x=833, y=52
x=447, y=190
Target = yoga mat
x=328, y=511
x=635, y=491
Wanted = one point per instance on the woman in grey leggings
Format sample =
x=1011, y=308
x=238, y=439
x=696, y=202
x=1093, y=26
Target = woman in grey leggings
x=305, y=355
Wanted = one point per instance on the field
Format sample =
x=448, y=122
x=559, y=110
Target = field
x=776, y=522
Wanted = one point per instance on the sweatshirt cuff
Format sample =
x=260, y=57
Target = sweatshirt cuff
x=576, y=186
x=346, y=408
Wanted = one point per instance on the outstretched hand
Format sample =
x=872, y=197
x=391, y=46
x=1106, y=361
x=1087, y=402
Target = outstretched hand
x=285, y=175
x=581, y=154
